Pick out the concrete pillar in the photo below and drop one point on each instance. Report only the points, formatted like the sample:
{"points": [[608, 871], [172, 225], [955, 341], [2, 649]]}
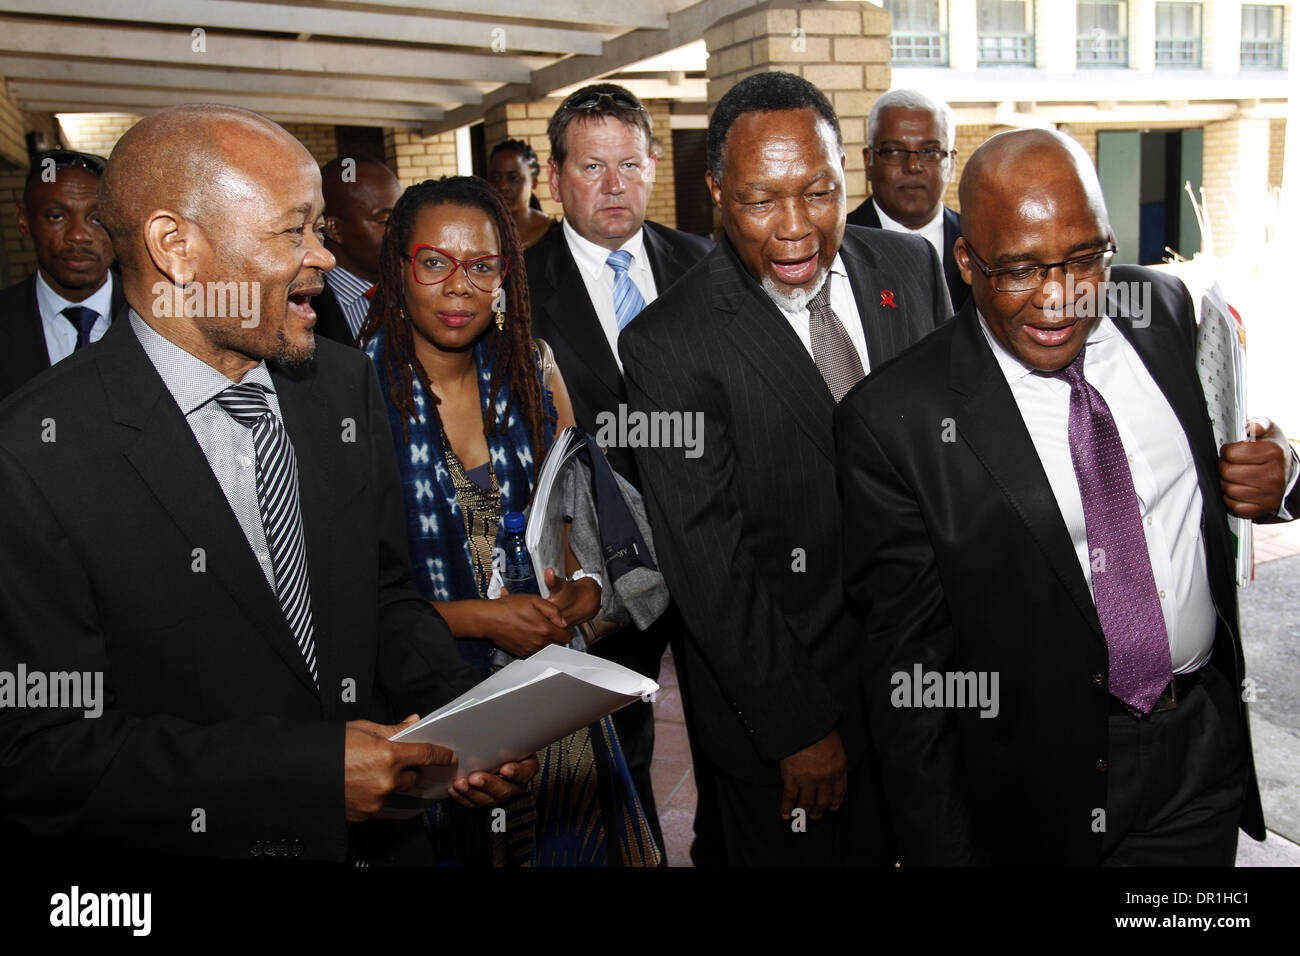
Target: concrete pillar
{"points": [[1056, 29], [841, 48], [1142, 35], [1221, 36], [963, 28]]}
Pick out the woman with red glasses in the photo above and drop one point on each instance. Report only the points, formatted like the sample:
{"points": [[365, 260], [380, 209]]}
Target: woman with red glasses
{"points": [[472, 414]]}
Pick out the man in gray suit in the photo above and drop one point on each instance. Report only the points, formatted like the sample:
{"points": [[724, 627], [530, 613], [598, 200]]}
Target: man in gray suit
{"points": [[761, 339]]}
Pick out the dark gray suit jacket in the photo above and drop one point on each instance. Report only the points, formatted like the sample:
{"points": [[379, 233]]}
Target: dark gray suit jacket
{"points": [[958, 290], [748, 534]]}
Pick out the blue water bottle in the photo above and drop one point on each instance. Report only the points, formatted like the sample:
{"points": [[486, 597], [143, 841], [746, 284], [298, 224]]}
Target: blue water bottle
{"points": [[517, 574]]}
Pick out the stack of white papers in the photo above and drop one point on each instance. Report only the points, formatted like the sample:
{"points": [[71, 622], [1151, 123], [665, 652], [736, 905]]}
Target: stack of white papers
{"points": [[521, 709], [1221, 365], [545, 532]]}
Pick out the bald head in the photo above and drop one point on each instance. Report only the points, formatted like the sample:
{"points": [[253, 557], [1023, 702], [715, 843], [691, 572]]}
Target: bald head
{"points": [[191, 160], [359, 197], [1015, 167]]}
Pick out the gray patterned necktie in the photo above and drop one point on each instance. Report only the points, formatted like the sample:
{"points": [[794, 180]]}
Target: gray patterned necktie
{"points": [[277, 499], [1123, 585], [833, 351]]}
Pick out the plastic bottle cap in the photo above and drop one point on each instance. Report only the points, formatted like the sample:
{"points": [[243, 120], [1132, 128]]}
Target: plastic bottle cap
{"points": [[515, 521]]}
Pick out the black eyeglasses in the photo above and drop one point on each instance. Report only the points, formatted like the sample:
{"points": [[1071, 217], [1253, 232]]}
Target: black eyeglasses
{"points": [[1029, 278], [622, 100], [67, 159], [896, 156]]}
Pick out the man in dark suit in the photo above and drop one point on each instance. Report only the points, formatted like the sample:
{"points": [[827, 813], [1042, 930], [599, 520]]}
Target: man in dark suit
{"points": [[759, 341], [359, 197], [245, 604], [910, 161], [72, 296], [601, 171], [1036, 526]]}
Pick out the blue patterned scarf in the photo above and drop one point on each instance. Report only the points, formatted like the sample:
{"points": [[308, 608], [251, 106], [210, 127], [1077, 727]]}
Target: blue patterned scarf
{"points": [[435, 528]]}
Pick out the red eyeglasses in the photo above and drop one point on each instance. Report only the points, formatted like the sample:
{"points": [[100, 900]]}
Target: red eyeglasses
{"points": [[431, 266]]}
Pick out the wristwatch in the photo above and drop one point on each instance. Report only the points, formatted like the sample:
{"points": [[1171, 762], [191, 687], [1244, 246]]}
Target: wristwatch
{"points": [[579, 574]]}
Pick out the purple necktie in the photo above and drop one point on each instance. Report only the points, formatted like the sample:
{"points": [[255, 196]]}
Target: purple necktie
{"points": [[1122, 583], [84, 319]]}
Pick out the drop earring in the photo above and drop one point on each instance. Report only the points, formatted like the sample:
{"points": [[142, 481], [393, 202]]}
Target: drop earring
{"points": [[501, 321]]}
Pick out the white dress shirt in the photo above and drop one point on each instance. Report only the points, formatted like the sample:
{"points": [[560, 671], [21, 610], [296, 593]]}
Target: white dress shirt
{"points": [[60, 334], [1164, 477], [845, 307], [931, 232], [598, 276], [226, 444]]}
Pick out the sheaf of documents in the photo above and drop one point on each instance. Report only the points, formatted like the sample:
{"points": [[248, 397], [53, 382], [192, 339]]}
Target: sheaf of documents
{"points": [[520, 709]]}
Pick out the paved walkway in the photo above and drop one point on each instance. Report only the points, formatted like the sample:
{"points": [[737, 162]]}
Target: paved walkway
{"points": [[674, 783]]}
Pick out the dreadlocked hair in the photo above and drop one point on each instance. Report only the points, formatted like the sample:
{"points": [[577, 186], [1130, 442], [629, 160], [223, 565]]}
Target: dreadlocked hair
{"points": [[511, 348]]}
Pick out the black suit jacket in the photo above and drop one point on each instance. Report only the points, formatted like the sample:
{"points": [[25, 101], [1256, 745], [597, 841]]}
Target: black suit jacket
{"points": [[23, 353], [120, 554], [330, 321], [960, 557], [748, 533], [563, 315], [958, 290]]}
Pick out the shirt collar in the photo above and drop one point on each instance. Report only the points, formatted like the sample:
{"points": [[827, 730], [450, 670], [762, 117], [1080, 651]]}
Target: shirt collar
{"points": [[1014, 369], [591, 257], [886, 222], [192, 382], [347, 286], [51, 303]]}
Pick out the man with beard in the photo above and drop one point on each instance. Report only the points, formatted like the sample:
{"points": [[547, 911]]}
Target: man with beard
{"points": [[762, 338], [245, 601], [71, 298]]}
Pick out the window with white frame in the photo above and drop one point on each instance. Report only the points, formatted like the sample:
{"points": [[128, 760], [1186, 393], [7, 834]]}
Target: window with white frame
{"points": [[1261, 36], [1102, 33], [1005, 32], [1178, 35], [918, 35]]}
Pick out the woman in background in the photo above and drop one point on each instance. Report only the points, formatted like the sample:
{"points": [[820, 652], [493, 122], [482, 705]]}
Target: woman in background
{"points": [[472, 417], [514, 172]]}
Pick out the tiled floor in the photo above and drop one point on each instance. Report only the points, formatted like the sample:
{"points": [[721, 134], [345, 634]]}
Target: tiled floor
{"points": [[674, 783]]}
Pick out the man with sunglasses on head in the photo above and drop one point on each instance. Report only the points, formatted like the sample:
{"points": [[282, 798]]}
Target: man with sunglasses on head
{"points": [[910, 161], [587, 281], [71, 298], [1036, 525]]}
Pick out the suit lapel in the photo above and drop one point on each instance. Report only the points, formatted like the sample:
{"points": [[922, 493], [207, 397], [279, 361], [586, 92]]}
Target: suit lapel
{"points": [[992, 427], [663, 260], [951, 233], [169, 460], [574, 317], [764, 337], [869, 292]]}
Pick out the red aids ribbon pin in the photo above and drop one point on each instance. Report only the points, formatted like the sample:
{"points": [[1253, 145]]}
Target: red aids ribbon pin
{"points": [[887, 298]]}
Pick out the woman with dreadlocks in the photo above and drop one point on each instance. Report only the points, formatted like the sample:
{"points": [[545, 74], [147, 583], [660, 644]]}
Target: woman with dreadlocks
{"points": [[472, 417], [513, 171]]}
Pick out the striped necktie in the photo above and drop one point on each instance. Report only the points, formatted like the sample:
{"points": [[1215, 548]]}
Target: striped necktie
{"points": [[627, 297], [1123, 585], [277, 500], [833, 350]]}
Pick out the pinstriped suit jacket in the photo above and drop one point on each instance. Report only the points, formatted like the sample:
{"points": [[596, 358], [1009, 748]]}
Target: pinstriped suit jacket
{"points": [[748, 534]]}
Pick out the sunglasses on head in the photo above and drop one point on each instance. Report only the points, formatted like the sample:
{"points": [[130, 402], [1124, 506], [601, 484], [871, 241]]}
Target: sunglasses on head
{"points": [[67, 159], [623, 100]]}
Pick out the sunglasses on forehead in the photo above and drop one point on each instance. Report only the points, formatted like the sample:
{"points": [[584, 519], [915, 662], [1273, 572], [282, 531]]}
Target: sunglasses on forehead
{"points": [[622, 100], [67, 159]]}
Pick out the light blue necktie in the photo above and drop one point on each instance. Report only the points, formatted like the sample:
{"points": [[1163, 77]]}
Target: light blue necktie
{"points": [[627, 297]]}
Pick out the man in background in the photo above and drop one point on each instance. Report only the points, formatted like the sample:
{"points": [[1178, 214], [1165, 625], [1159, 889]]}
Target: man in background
{"points": [[359, 198], [71, 298], [910, 161]]}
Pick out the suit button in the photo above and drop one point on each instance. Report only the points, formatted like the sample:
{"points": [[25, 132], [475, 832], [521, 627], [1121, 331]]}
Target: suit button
{"points": [[1101, 766], [1098, 679]]}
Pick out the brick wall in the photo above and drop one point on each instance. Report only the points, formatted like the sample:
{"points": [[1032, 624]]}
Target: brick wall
{"points": [[319, 139], [663, 199], [17, 257], [95, 132], [1235, 171], [416, 158], [841, 48], [1276, 150]]}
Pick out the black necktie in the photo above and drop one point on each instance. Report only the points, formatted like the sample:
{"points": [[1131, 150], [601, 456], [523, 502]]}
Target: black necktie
{"points": [[84, 319]]}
